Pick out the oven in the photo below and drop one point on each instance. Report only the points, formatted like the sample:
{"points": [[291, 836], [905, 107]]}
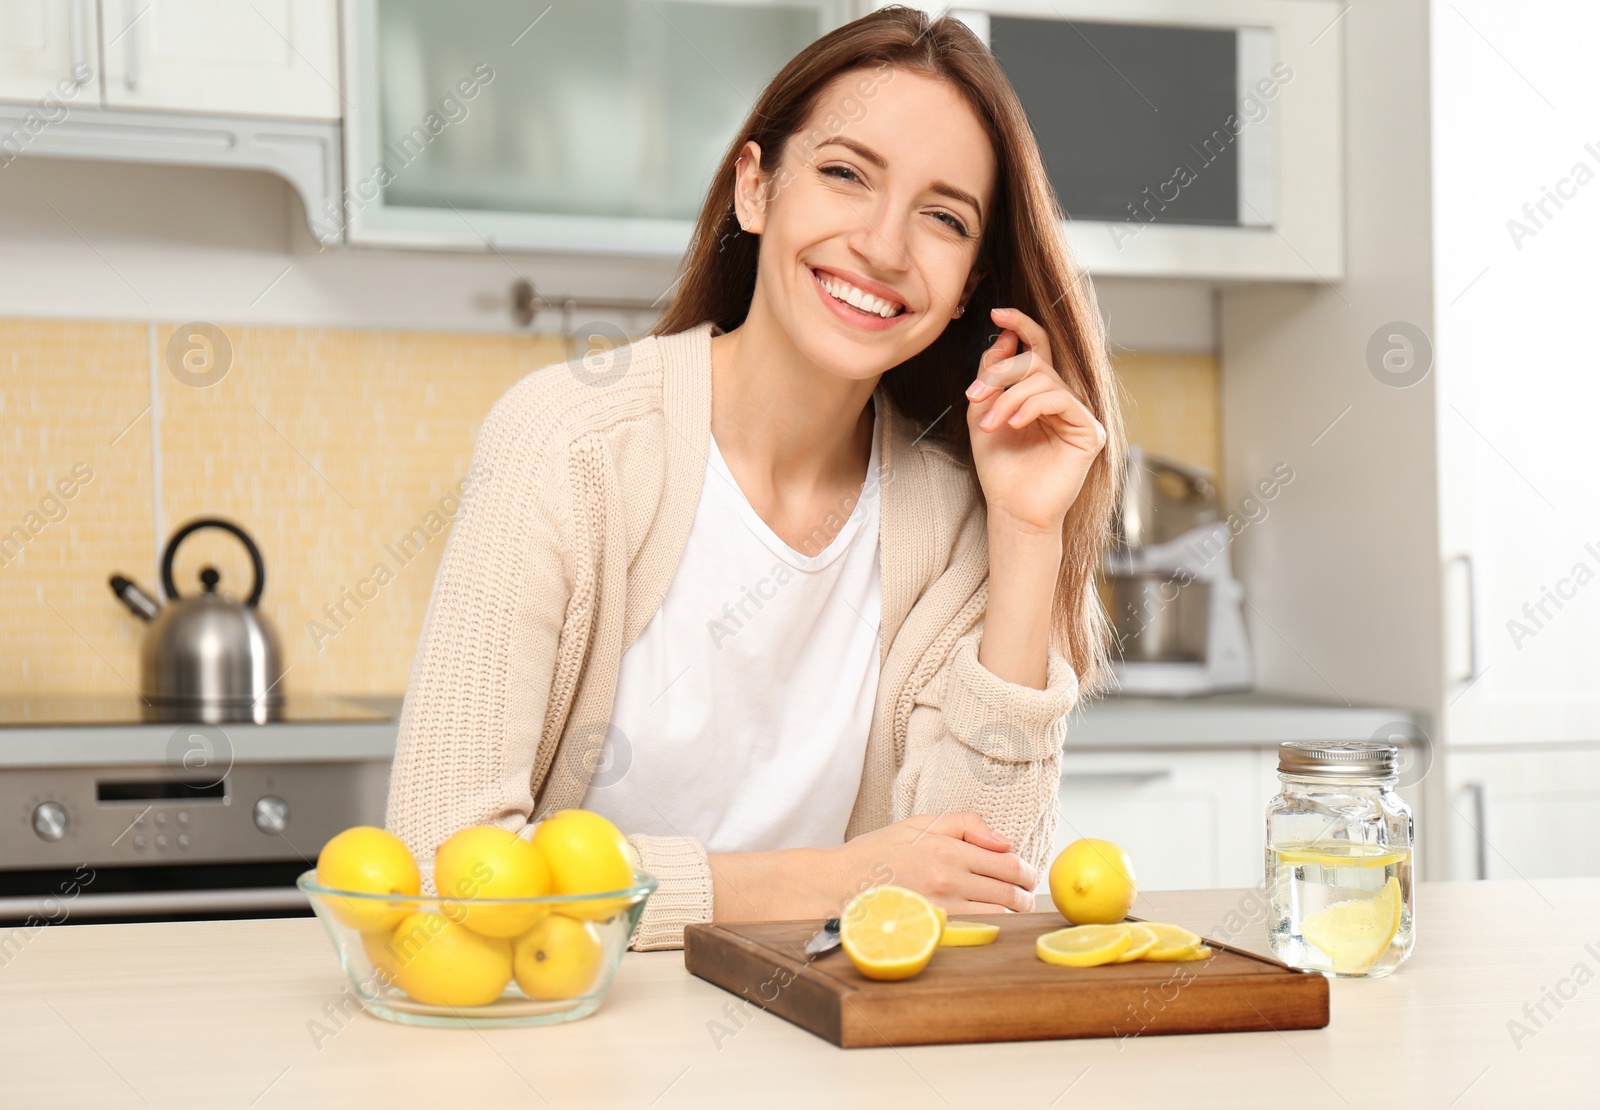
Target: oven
{"points": [[111, 810]]}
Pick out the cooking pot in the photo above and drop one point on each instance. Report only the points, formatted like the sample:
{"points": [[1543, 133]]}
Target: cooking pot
{"points": [[206, 650]]}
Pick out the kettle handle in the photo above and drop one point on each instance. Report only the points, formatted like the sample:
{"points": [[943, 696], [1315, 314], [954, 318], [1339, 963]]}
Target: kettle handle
{"points": [[227, 526]]}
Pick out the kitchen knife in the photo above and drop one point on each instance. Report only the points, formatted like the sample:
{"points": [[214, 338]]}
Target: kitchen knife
{"points": [[825, 940]]}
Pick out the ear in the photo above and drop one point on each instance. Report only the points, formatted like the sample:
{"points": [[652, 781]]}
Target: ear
{"points": [[973, 279], [748, 188]]}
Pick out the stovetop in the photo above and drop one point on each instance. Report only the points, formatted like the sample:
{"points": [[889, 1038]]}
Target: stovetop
{"points": [[69, 711]]}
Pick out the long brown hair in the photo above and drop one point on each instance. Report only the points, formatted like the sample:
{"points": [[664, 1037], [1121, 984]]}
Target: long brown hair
{"points": [[1023, 256]]}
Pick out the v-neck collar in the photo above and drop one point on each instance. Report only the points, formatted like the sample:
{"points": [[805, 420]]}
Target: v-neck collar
{"points": [[861, 508], [908, 556]]}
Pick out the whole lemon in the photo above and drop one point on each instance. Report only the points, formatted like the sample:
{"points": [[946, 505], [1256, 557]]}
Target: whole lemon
{"points": [[442, 963], [486, 861], [587, 855], [368, 860], [1092, 882], [558, 958]]}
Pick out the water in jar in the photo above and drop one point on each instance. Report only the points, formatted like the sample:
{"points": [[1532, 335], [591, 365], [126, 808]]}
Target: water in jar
{"points": [[1339, 906]]}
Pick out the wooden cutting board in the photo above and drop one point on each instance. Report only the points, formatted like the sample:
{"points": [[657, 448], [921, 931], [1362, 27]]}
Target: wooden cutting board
{"points": [[1001, 991]]}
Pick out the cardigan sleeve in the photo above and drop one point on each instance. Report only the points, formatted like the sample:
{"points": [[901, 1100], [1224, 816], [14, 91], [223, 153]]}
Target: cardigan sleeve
{"points": [[480, 682], [977, 742]]}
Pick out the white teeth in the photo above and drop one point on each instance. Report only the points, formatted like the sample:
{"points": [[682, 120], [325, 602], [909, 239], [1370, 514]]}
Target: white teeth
{"points": [[849, 294]]}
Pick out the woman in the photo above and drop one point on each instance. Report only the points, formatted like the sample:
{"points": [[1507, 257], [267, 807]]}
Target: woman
{"points": [[773, 588]]}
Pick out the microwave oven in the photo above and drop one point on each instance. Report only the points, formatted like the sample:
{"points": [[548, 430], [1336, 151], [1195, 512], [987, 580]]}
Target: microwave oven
{"points": [[1183, 139]]}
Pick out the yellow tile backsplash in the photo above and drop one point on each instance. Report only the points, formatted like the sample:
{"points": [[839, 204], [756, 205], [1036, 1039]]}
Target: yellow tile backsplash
{"points": [[1173, 405], [341, 451]]}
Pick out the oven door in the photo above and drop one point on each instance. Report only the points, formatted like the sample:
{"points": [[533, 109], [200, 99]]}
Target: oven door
{"points": [[142, 843], [180, 892]]}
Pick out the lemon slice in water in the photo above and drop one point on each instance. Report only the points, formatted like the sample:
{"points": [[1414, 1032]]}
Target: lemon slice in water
{"points": [[1355, 932]]}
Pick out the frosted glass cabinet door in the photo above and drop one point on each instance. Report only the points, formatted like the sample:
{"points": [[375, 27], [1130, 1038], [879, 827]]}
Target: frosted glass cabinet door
{"points": [[594, 126]]}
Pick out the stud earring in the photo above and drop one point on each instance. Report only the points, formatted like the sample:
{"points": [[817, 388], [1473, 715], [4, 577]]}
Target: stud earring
{"points": [[960, 308]]}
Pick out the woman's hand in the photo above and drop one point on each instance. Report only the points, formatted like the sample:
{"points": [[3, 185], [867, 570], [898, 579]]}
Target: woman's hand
{"points": [[1033, 439], [954, 859]]}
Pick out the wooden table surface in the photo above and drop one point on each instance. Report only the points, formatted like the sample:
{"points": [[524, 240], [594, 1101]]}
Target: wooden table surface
{"points": [[248, 1014]]}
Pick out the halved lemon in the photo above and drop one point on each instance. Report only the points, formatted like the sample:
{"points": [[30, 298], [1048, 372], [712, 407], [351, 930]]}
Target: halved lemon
{"points": [[1355, 932], [890, 932], [1174, 943], [968, 934], [1083, 945], [1143, 939]]}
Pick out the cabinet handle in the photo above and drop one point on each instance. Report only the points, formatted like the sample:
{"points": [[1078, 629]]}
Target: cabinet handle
{"points": [[131, 32], [1465, 559], [1131, 778], [78, 35], [1479, 817]]}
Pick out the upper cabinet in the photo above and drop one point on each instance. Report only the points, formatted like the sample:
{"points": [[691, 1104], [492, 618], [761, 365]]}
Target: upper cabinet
{"points": [[48, 48], [1181, 140], [589, 128], [272, 59], [275, 58]]}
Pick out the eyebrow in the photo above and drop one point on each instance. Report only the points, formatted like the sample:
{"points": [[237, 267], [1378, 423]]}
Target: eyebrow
{"points": [[941, 187]]}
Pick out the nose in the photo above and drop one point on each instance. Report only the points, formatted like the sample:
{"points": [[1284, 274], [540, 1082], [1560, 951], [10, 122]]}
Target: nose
{"points": [[880, 239]]}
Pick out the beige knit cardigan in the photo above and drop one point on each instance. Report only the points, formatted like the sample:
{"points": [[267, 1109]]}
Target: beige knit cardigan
{"points": [[584, 483]]}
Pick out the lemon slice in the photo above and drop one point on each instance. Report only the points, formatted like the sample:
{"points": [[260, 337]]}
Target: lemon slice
{"points": [[1142, 939], [1355, 932], [968, 934], [890, 932], [1083, 945], [1173, 943]]}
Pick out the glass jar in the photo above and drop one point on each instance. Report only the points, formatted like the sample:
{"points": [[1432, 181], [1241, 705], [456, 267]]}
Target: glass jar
{"points": [[1339, 847]]}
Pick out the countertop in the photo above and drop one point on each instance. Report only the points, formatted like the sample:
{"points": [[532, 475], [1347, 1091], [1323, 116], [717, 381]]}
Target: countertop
{"points": [[247, 1013], [1252, 719]]}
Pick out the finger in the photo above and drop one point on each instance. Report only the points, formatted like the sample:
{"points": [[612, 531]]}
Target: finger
{"points": [[1081, 426], [1012, 398], [1006, 867], [1006, 368], [1004, 896], [1005, 345], [1033, 333], [976, 831], [972, 828]]}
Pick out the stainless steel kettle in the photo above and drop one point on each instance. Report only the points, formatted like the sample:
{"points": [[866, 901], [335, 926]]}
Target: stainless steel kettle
{"points": [[208, 650]]}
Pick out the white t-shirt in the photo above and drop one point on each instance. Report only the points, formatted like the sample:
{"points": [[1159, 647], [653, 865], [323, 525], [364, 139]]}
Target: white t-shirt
{"points": [[743, 708]]}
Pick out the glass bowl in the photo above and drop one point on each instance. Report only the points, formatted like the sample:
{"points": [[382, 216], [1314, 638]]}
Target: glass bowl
{"points": [[419, 960]]}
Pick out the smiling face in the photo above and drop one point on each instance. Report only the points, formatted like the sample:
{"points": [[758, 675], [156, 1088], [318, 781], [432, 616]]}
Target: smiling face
{"points": [[883, 210]]}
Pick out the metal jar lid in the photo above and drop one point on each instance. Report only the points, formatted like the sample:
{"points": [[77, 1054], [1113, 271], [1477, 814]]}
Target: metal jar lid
{"points": [[1354, 759]]}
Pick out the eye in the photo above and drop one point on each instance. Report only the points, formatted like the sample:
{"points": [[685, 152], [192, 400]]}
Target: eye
{"points": [[846, 173]]}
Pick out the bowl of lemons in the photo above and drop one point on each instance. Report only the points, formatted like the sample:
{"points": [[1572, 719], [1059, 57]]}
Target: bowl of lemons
{"points": [[499, 930]]}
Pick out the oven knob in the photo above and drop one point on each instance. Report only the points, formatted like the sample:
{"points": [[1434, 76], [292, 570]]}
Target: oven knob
{"points": [[271, 814], [50, 821]]}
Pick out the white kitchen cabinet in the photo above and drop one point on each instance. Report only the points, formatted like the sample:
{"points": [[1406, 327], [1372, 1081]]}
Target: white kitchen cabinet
{"points": [[588, 128], [1188, 819], [272, 58], [1514, 239], [1525, 813], [48, 49]]}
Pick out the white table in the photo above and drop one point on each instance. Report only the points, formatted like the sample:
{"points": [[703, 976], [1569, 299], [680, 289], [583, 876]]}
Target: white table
{"points": [[246, 1013]]}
